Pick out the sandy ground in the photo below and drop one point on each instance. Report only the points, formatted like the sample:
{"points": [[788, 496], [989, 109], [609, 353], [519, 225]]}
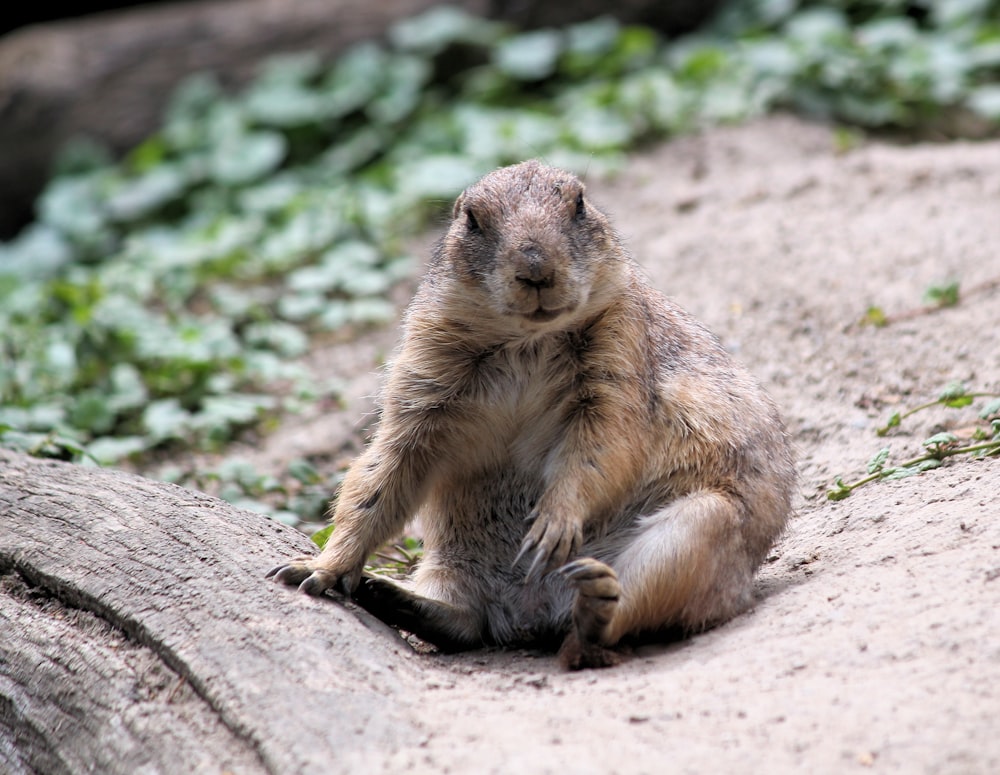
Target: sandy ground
{"points": [[874, 644]]}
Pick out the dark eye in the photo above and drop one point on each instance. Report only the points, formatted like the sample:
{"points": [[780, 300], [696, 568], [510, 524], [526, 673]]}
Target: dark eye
{"points": [[581, 211], [471, 222]]}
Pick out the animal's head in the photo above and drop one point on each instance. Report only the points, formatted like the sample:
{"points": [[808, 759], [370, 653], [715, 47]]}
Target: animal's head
{"points": [[529, 245]]}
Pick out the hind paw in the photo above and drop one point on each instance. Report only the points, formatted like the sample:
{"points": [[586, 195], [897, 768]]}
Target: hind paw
{"points": [[576, 654], [592, 578], [597, 593]]}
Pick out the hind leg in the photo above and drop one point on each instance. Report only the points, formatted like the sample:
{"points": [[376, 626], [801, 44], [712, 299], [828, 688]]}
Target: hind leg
{"points": [[687, 566], [446, 625]]}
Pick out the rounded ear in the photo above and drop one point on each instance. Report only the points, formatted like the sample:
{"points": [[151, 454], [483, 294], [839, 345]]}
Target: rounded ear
{"points": [[459, 205]]}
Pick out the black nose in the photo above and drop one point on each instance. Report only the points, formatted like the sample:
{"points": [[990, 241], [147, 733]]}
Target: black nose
{"points": [[531, 282]]}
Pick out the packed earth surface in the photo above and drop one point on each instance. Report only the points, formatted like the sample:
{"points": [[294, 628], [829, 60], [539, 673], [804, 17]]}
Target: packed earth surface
{"points": [[872, 645]]}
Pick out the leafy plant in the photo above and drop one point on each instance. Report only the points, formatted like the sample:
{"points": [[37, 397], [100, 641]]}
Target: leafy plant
{"points": [[937, 297], [164, 300], [298, 495], [396, 559], [984, 441]]}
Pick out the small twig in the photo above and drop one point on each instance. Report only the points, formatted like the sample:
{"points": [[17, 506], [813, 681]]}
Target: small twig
{"points": [[876, 317]]}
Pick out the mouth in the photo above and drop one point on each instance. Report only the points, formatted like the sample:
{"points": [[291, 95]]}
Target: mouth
{"points": [[541, 315]]}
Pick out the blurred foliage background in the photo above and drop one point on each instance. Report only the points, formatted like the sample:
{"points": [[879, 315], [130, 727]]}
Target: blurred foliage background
{"points": [[163, 301]]}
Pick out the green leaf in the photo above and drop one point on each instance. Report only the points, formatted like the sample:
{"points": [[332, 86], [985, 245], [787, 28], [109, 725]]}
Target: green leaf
{"points": [[284, 338], [247, 157], [591, 47], [875, 316], [137, 198], [362, 283], [334, 315], [294, 70], [92, 412], [593, 39], [443, 26], [878, 460], [109, 450], [320, 537], [943, 295], [284, 516], [530, 56], [284, 106], [355, 79], [194, 97], [371, 311], [839, 491], [700, 64], [128, 391], [437, 176], [403, 81], [239, 470], [893, 422], [304, 471], [887, 35], [939, 441], [148, 155], [953, 391], [166, 419], [301, 306], [37, 253], [411, 544], [221, 413], [891, 474], [817, 29], [354, 151], [985, 100], [598, 129], [73, 206], [991, 409]]}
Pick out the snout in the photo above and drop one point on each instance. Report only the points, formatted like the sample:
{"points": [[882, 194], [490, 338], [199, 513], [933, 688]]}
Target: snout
{"points": [[537, 285], [532, 270]]}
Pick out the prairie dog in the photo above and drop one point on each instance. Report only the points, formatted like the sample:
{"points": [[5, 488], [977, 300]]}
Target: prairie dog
{"points": [[587, 461]]}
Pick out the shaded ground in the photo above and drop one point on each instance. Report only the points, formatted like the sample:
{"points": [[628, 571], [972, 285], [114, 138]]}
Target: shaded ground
{"points": [[873, 645]]}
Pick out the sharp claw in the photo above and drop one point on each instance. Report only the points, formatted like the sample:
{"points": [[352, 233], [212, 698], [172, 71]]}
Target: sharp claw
{"points": [[537, 569], [283, 574], [526, 547], [311, 586], [574, 568], [273, 571]]}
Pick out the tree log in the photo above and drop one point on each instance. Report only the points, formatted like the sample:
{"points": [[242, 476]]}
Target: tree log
{"points": [[137, 633]]}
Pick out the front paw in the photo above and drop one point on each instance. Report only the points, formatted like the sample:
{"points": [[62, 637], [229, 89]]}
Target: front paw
{"points": [[553, 539], [313, 577]]}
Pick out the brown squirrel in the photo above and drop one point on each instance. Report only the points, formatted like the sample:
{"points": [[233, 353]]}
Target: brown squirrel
{"points": [[587, 461]]}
